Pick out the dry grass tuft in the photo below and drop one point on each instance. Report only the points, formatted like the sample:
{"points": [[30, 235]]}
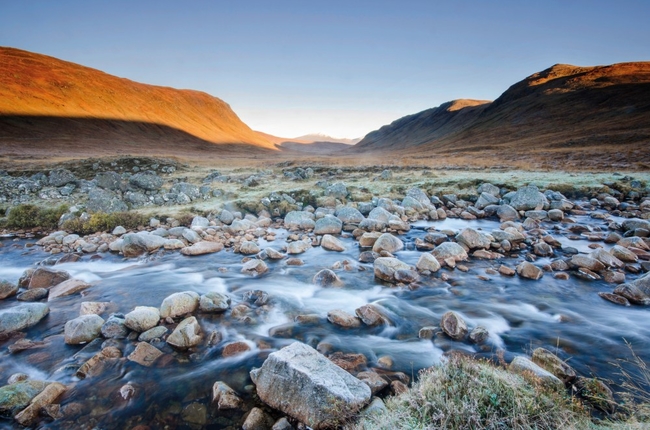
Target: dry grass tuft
{"points": [[468, 394]]}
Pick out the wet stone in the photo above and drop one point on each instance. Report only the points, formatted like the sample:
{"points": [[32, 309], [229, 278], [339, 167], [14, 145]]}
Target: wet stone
{"points": [[453, 325], [235, 348], [529, 271], [479, 334], [145, 354], [369, 315], [83, 329], [327, 278], [343, 319], [114, 328], [214, 302]]}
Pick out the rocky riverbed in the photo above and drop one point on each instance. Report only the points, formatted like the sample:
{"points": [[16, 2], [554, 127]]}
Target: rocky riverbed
{"points": [[164, 325]]}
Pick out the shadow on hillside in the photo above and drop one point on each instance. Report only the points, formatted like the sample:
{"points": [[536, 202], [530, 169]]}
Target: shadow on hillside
{"points": [[25, 134]]}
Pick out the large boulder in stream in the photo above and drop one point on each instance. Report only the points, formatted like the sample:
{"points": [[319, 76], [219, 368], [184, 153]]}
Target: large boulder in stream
{"points": [[302, 383], [16, 397], [22, 316], [136, 244], [83, 329], [386, 267], [179, 304], [388, 242], [529, 198]]}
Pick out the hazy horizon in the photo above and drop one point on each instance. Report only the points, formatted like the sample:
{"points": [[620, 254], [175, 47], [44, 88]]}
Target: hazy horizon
{"points": [[292, 68]]}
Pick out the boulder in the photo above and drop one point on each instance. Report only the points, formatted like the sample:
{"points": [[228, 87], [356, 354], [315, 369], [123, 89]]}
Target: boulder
{"points": [[148, 181], [329, 224], [449, 252], [298, 219], [61, 177], [624, 254], [453, 325], [349, 215], [22, 316], [49, 395], [16, 397], [302, 383], [108, 180], [368, 239], [254, 267], [257, 419], [136, 244], [225, 397], [332, 243], [226, 217], [587, 263], [385, 268], [104, 201], [528, 198], [145, 354], [507, 213], [338, 191], [474, 239], [479, 334], [214, 302], [114, 328], [179, 304], [199, 221], [83, 329], [298, 247], [343, 319], [7, 289], [607, 259], [67, 288], [201, 248], [522, 364], [248, 247], [153, 333], [485, 200], [427, 262], [552, 363], [142, 318], [388, 242], [47, 278], [529, 271], [327, 278], [369, 315], [186, 335]]}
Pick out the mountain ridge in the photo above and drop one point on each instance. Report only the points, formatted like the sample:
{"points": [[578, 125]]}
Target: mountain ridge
{"points": [[39, 86], [563, 108]]}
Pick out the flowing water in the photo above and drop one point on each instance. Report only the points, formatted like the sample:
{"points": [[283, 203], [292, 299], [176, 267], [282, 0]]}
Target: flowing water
{"points": [[564, 316]]}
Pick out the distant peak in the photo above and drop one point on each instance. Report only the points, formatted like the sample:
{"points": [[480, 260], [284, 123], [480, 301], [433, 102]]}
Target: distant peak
{"points": [[322, 137], [459, 104]]}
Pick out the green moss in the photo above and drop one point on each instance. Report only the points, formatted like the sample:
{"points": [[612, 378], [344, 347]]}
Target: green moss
{"points": [[105, 222], [30, 216]]}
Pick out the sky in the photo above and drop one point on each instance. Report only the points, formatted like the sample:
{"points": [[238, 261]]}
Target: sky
{"points": [[342, 68]]}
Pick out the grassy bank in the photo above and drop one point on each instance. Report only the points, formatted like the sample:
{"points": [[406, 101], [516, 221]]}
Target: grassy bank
{"points": [[463, 393]]}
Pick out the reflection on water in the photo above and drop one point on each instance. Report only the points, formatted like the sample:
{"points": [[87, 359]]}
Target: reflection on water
{"points": [[565, 316]]}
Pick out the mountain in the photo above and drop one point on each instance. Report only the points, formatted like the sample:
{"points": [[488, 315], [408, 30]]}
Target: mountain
{"points": [[306, 145], [565, 110], [53, 106], [320, 137]]}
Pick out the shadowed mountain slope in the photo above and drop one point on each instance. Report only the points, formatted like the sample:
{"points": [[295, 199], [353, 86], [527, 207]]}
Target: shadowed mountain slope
{"points": [[46, 89], [562, 109]]}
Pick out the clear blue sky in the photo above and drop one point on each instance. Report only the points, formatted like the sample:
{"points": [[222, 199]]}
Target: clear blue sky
{"points": [[342, 68]]}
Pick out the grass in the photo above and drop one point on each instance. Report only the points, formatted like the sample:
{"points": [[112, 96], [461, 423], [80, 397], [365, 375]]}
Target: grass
{"points": [[469, 394], [464, 393], [105, 222], [636, 378], [31, 216]]}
